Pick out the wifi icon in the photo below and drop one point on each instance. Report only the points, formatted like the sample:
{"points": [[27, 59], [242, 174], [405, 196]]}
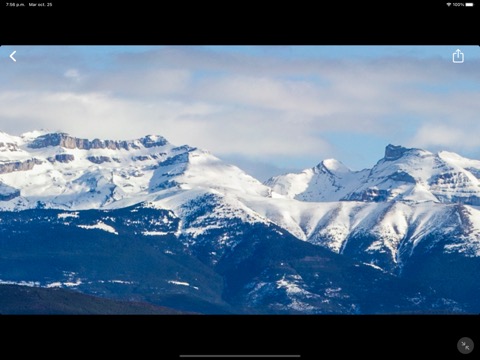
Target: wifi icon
{"points": [[448, 4]]}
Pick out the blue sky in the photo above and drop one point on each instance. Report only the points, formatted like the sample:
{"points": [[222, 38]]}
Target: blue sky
{"points": [[267, 109]]}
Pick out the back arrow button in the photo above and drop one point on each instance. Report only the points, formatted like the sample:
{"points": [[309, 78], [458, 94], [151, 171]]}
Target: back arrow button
{"points": [[11, 56]]}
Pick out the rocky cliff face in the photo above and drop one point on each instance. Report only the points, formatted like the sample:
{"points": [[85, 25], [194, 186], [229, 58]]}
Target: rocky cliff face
{"points": [[394, 152], [62, 158], [9, 167], [8, 193], [69, 142], [8, 146]]}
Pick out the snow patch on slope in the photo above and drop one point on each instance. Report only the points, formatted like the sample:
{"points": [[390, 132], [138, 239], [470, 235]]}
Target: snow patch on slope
{"points": [[100, 226], [181, 283]]}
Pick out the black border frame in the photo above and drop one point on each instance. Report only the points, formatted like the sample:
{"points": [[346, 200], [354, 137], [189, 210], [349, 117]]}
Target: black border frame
{"points": [[311, 336]]}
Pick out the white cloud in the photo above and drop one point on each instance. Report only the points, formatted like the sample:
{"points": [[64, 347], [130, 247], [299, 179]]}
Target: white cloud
{"points": [[447, 136], [92, 114], [266, 93], [258, 106], [434, 134], [141, 82]]}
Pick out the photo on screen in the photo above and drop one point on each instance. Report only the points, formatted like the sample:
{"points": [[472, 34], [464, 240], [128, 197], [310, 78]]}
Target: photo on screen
{"points": [[253, 180]]}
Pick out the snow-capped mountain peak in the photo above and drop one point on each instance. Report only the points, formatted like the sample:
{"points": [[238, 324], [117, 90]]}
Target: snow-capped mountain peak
{"points": [[6, 138], [403, 174], [57, 170], [395, 152], [333, 166], [8, 143]]}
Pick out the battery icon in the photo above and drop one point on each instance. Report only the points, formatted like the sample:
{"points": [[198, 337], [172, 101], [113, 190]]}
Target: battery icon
{"points": [[468, 4]]}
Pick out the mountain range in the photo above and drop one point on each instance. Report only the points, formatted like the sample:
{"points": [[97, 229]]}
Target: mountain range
{"points": [[147, 221]]}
